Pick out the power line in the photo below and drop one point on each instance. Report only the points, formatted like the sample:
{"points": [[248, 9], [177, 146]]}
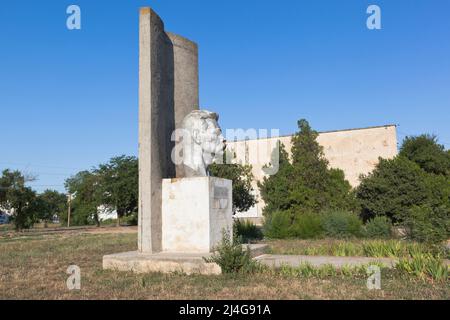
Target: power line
{"points": [[40, 165], [46, 185], [51, 174]]}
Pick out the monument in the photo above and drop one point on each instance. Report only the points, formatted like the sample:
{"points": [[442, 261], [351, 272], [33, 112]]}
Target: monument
{"points": [[182, 210], [168, 91]]}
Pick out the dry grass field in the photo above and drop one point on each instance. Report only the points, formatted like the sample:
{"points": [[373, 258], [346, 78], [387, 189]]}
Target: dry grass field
{"points": [[35, 267]]}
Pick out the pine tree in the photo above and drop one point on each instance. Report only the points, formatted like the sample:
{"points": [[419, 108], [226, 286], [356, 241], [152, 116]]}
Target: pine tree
{"points": [[275, 189], [306, 183]]}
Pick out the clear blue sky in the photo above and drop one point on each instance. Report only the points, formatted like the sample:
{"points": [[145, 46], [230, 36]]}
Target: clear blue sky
{"points": [[68, 99]]}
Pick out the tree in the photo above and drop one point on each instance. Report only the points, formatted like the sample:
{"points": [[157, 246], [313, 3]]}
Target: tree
{"points": [[306, 184], [18, 198], [428, 224], [275, 189], [427, 153], [119, 185], [392, 189], [52, 203], [113, 184], [412, 186], [87, 197], [241, 176], [317, 187]]}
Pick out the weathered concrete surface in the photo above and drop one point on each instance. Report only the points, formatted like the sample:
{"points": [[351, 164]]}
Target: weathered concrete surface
{"points": [[277, 261], [168, 90], [195, 211], [185, 53], [355, 151], [165, 262], [155, 111], [160, 262]]}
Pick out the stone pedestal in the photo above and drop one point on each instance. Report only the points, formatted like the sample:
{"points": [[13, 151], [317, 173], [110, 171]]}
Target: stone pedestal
{"points": [[195, 211], [168, 262]]}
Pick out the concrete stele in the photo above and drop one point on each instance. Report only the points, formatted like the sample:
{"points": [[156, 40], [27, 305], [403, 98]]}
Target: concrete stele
{"points": [[168, 90]]}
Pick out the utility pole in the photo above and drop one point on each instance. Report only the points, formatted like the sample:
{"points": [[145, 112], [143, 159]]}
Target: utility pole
{"points": [[69, 199]]}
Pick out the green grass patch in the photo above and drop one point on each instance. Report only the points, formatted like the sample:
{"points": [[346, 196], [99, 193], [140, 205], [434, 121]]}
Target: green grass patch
{"points": [[356, 247]]}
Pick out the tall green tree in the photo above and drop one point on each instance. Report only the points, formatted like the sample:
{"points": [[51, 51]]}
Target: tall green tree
{"points": [[415, 181], [316, 186], [52, 203], [113, 185], [427, 153], [242, 177], [87, 197], [305, 183], [119, 185], [17, 197], [276, 189]]}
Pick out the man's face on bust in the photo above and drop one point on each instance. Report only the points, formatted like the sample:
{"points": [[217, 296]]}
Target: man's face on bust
{"points": [[212, 141], [200, 144]]}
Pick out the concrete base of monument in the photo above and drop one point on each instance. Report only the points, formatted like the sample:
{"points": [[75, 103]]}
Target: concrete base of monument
{"points": [[169, 262]]}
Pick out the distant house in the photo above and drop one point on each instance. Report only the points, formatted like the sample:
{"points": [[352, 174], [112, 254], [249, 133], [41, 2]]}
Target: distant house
{"points": [[55, 219], [105, 213]]}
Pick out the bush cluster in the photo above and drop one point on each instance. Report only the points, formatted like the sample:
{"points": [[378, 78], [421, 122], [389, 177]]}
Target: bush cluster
{"points": [[428, 224], [378, 227], [338, 224], [247, 231], [341, 224]]}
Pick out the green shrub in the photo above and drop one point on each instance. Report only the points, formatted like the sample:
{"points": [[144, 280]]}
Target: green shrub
{"points": [[366, 248], [424, 266], [131, 220], [231, 257], [341, 224], [306, 226], [278, 225], [247, 230], [427, 224], [381, 249], [392, 188], [378, 227], [285, 224]]}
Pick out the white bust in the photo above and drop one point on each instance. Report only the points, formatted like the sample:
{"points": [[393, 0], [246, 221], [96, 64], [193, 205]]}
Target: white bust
{"points": [[200, 145]]}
